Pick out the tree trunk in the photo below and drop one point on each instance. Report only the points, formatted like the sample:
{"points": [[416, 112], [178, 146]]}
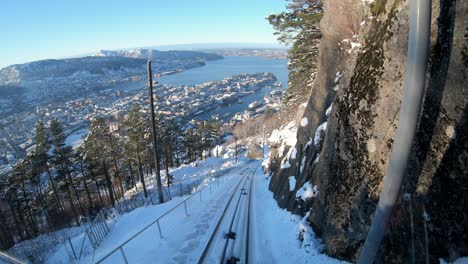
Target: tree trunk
{"points": [[6, 236], [57, 200], [44, 205], [132, 177], [97, 187], [28, 208], [142, 177], [74, 190], [17, 223], [109, 183], [90, 201]]}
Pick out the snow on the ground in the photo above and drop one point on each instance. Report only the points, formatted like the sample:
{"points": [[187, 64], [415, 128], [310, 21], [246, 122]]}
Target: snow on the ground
{"points": [[183, 236], [463, 260], [34, 248], [76, 139], [307, 191], [146, 248], [292, 183], [279, 236], [188, 173]]}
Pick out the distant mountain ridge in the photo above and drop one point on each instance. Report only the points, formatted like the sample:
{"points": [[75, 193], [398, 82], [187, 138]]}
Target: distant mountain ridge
{"points": [[55, 79], [152, 54], [98, 64], [44, 69]]}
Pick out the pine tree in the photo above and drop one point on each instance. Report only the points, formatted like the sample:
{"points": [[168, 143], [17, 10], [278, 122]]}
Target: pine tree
{"points": [[134, 129], [116, 155], [299, 26], [11, 197], [81, 160], [21, 173], [39, 159], [62, 156], [97, 147], [190, 145]]}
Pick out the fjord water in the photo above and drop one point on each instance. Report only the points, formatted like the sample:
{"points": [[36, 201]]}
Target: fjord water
{"points": [[220, 69]]}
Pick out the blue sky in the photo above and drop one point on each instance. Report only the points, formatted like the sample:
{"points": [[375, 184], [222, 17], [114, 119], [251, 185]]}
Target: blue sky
{"points": [[39, 29]]}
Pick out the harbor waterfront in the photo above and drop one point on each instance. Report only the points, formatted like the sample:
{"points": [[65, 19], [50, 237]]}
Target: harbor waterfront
{"points": [[223, 87]]}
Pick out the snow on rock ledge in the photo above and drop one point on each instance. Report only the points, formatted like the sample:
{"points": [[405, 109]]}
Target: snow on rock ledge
{"points": [[318, 134], [304, 122], [285, 136], [292, 183], [307, 191]]}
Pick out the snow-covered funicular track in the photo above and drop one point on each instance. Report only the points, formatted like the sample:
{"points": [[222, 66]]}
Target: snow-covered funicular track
{"points": [[229, 242]]}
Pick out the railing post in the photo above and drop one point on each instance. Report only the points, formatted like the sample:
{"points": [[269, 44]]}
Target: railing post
{"points": [[185, 207], [105, 224], [96, 235], [101, 231], [123, 255], [73, 250], [159, 228], [92, 238]]}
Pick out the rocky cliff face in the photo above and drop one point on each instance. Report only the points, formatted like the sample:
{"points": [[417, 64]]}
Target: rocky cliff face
{"points": [[359, 80]]}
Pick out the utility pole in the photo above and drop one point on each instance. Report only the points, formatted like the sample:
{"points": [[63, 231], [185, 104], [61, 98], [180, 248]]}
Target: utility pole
{"points": [[155, 136]]}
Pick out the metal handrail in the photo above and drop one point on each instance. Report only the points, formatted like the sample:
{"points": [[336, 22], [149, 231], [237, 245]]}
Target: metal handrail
{"points": [[216, 174], [120, 247], [9, 259]]}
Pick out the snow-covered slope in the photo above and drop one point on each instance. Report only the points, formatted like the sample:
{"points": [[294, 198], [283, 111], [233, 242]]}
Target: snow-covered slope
{"points": [[277, 236]]}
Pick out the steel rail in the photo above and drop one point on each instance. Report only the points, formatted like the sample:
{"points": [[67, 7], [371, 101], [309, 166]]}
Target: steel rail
{"points": [[247, 246], [244, 254], [232, 223], [218, 224]]}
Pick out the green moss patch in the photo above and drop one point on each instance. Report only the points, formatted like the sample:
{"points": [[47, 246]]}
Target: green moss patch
{"points": [[378, 7]]}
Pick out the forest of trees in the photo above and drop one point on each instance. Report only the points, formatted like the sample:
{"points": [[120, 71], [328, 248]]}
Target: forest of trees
{"points": [[56, 186]]}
